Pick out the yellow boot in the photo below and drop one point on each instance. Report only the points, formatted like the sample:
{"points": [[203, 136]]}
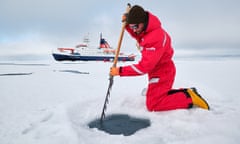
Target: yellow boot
{"points": [[197, 99]]}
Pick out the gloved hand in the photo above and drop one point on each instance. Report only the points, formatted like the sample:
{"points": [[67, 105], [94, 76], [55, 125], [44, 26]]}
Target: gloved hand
{"points": [[124, 17], [114, 71]]}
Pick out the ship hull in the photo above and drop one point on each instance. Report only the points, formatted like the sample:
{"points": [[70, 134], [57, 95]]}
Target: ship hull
{"points": [[77, 57]]}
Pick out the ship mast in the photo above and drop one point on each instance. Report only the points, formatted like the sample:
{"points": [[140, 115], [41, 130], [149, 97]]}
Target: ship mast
{"points": [[86, 39]]}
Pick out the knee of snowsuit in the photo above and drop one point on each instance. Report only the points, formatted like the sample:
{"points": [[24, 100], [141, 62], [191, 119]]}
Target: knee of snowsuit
{"points": [[159, 96]]}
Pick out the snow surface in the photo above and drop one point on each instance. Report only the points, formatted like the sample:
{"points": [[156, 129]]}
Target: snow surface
{"points": [[54, 102]]}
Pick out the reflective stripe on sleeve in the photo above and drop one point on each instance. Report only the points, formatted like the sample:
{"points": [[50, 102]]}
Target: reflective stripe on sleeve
{"points": [[136, 70]]}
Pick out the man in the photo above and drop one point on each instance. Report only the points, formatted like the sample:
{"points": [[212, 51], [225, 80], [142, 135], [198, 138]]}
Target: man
{"points": [[156, 61]]}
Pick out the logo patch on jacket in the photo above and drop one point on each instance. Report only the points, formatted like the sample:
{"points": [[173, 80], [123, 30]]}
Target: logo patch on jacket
{"points": [[151, 49]]}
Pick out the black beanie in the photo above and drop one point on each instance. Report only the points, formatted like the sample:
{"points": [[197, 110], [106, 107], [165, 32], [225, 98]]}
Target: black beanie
{"points": [[136, 15]]}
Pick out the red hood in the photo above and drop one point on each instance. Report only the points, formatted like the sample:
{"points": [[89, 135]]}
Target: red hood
{"points": [[153, 23]]}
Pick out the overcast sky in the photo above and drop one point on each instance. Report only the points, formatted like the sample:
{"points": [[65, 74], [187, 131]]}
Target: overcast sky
{"points": [[41, 25]]}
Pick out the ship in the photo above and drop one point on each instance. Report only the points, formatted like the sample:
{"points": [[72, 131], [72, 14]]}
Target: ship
{"points": [[83, 52]]}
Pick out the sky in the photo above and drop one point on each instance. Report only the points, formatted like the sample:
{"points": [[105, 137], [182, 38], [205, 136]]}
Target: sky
{"points": [[30, 26]]}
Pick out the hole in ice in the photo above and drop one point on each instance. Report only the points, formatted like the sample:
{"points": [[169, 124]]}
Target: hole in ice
{"points": [[120, 124]]}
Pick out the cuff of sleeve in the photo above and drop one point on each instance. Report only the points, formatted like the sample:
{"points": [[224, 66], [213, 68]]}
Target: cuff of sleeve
{"points": [[120, 70]]}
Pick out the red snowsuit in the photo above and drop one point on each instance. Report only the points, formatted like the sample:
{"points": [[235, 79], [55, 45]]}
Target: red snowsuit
{"points": [[157, 62]]}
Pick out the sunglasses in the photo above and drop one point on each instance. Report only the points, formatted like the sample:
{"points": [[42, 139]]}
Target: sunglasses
{"points": [[134, 27]]}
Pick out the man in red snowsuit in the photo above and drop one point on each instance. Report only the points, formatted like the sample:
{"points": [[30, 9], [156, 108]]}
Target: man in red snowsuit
{"points": [[156, 61]]}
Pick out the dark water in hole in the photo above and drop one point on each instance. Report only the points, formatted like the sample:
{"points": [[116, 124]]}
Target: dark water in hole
{"points": [[120, 124]]}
